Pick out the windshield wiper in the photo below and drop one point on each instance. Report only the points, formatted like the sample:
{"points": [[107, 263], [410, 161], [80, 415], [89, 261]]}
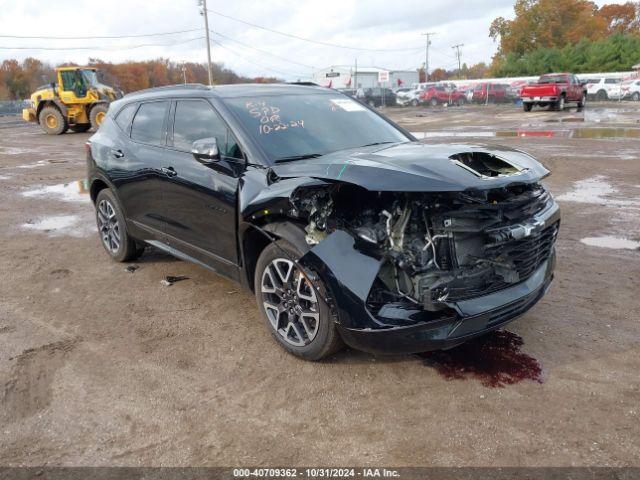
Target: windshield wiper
{"points": [[298, 157]]}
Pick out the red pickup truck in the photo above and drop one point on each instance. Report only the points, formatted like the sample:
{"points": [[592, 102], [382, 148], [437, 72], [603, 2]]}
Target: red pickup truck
{"points": [[554, 90]]}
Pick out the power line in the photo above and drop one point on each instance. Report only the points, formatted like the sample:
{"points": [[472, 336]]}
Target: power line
{"points": [[102, 37], [326, 44], [241, 57], [262, 51], [112, 48]]}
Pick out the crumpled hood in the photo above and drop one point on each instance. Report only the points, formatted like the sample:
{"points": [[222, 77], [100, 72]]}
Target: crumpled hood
{"points": [[412, 167]]}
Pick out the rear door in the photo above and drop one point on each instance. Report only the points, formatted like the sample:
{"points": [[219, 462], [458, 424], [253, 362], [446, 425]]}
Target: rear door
{"points": [[200, 200], [138, 162]]}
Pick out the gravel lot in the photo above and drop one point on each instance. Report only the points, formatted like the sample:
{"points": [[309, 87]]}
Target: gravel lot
{"points": [[99, 366]]}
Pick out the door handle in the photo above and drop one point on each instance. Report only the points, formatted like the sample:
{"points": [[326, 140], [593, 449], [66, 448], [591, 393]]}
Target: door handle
{"points": [[169, 171], [117, 153]]}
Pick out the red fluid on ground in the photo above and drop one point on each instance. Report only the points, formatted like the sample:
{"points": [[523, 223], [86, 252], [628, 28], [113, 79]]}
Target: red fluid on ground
{"points": [[495, 359]]}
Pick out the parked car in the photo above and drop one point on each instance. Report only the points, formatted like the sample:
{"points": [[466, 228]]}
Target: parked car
{"points": [[554, 90], [631, 90], [515, 89], [409, 97], [489, 93], [440, 94], [377, 96], [604, 89], [344, 226]]}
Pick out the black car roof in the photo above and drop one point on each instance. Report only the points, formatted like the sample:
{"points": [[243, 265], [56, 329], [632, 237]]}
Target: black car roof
{"points": [[225, 91]]}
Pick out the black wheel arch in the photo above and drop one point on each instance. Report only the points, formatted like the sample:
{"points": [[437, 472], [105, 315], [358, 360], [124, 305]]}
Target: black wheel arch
{"points": [[255, 238]]}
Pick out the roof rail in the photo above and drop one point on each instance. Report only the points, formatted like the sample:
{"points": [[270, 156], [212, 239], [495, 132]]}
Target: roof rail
{"points": [[179, 86]]}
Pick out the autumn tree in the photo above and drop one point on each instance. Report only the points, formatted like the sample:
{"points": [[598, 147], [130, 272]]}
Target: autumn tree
{"points": [[620, 18], [547, 23]]}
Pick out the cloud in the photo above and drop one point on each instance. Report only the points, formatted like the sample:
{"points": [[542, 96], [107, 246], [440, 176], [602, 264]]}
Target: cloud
{"points": [[374, 24]]}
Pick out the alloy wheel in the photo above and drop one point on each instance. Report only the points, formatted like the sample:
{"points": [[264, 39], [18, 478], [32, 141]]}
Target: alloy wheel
{"points": [[108, 226], [290, 302]]}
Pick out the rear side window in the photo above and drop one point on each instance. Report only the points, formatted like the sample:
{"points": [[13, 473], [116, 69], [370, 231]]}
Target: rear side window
{"points": [[148, 123], [612, 80], [124, 117]]}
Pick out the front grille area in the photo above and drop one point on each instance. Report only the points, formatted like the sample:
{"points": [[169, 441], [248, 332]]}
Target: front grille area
{"points": [[526, 255]]}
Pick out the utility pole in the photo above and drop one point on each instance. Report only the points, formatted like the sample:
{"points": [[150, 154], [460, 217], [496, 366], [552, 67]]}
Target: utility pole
{"points": [[457, 47], [184, 73], [426, 57], [205, 13], [356, 77]]}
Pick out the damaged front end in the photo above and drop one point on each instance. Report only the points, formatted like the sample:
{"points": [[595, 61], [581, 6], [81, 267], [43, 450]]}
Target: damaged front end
{"points": [[420, 271]]}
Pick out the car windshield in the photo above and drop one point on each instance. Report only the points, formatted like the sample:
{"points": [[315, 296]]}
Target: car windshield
{"points": [[552, 79], [290, 127]]}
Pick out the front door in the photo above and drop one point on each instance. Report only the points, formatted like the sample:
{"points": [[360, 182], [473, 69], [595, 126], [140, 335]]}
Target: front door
{"points": [[200, 200]]}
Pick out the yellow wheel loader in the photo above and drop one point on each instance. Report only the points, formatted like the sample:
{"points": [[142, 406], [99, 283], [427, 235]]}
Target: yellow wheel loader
{"points": [[77, 101]]}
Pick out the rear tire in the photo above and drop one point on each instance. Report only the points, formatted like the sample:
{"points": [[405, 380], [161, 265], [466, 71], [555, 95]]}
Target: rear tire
{"points": [[98, 112], [635, 97], [52, 121], [113, 230], [433, 102], [602, 95], [559, 106], [295, 313], [80, 128]]}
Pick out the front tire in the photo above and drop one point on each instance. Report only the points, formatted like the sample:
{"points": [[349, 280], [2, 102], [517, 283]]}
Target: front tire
{"points": [[559, 106], [113, 230], [293, 304], [527, 107], [583, 101], [635, 97], [52, 121], [433, 102]]}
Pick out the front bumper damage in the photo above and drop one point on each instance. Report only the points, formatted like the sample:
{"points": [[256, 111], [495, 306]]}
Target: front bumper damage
{"points": [[402, 327], [421, 247]]}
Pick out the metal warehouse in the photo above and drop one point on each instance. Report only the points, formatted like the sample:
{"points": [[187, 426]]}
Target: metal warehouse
{"points": [[351, 76]]}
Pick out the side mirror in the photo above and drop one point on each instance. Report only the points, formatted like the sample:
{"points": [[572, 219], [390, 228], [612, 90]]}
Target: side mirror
{"points": [[206, 150]]}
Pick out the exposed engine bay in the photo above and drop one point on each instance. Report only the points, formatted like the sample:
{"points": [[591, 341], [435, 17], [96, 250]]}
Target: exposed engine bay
{"points": [[435, 247]]}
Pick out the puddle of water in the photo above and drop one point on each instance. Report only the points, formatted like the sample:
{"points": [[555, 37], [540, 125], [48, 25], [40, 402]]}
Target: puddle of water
{"points": [[39, 163], [77, 191], [14, 150], [596, 190], [495, 359], [55, 225], [4, 177], [611, 242]]}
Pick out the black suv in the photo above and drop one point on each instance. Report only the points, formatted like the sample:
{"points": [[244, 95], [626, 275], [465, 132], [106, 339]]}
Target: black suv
{"points": [[345, 227]]}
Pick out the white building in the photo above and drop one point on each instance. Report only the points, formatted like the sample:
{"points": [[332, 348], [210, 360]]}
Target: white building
{"points": [[347, 76]]}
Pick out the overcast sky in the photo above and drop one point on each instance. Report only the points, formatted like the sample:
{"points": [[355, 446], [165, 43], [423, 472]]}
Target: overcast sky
{"points": [[370, 24]]}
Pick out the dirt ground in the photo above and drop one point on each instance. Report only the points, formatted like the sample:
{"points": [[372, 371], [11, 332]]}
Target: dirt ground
{"points": [[99, 366]]}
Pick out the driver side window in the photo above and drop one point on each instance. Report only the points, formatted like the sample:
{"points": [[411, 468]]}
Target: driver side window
{"points": [[195, 120]]}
